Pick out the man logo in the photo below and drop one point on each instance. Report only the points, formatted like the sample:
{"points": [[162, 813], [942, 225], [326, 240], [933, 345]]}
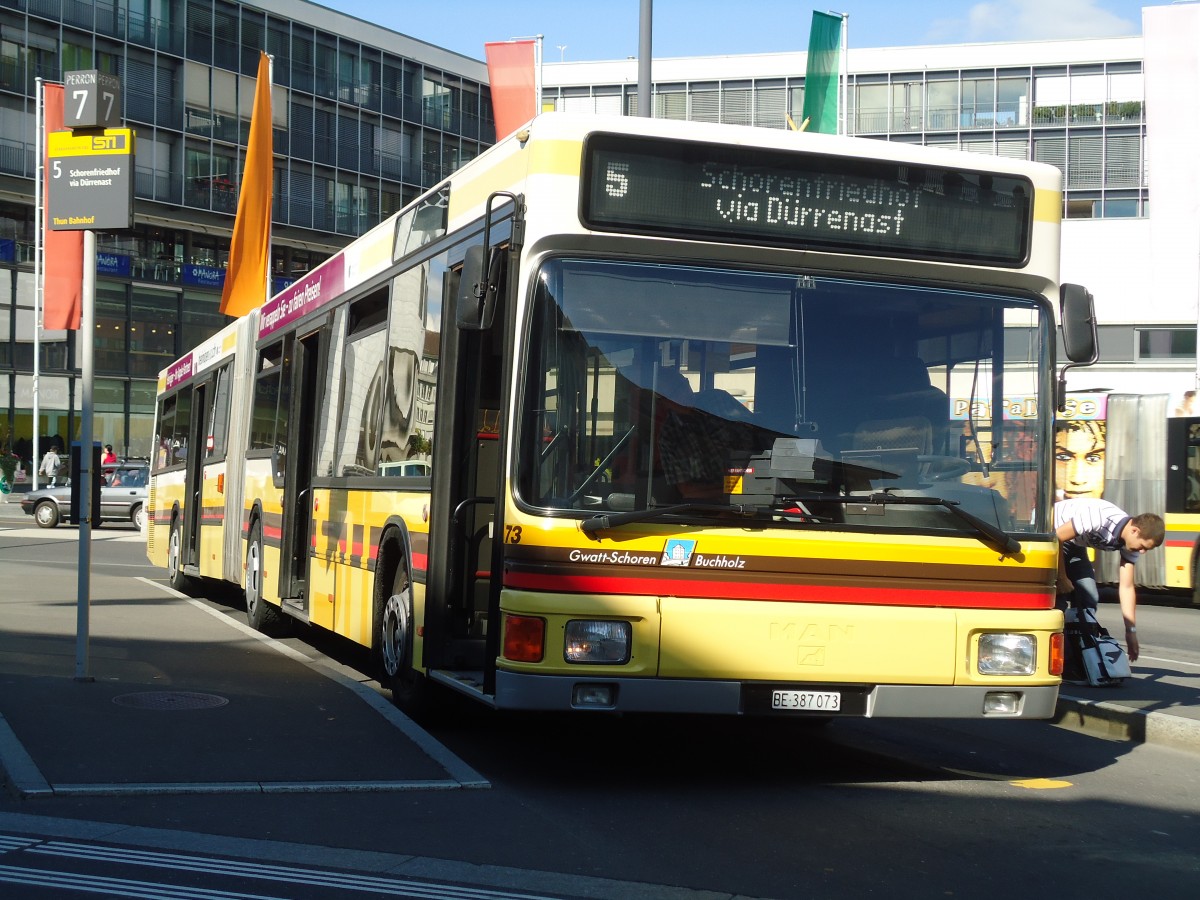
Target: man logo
{"points": [[810, 656]]}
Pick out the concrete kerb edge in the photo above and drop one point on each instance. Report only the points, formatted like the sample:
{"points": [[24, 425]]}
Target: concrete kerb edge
{"points": [[1140, 726], [22, 778]]}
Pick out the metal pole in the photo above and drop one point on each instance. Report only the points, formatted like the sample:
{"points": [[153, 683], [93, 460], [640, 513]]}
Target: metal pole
{"points": [[86, 340], [845, 67], [537, 76], [38, 286], [644, 57]]}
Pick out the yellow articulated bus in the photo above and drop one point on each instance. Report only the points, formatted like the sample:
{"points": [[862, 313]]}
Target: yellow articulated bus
{"points": [[1182, 511], [651, 416]]}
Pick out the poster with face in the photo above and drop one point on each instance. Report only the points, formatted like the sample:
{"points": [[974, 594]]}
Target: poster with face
{"points": [[1079, 459]]}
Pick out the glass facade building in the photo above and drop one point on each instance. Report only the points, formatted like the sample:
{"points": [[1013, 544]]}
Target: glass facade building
{"points": [[1085, 117], [364, 120]]}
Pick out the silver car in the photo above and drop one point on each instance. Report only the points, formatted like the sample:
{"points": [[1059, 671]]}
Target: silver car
{"points": [[122, 497]]}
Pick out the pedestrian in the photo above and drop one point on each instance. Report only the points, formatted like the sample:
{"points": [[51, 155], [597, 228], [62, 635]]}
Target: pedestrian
{"points": [[109, 458], [50, 465], [1090, 523]]}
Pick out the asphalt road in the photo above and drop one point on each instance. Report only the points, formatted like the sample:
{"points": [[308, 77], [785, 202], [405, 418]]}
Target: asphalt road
{"points": [[574, 807]]}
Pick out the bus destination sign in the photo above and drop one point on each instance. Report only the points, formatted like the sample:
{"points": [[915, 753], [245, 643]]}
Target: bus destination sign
{"points": [[806, 200]]}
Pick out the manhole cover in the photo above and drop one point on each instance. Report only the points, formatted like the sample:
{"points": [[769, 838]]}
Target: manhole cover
{"points": [[170, 700]]}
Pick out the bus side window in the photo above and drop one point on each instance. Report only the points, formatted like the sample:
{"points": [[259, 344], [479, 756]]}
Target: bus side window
{"points": [[1193, 478]]}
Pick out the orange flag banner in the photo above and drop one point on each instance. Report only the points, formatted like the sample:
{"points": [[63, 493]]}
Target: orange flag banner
{"points": [[62, 270], [250, 249], [512, 73]]}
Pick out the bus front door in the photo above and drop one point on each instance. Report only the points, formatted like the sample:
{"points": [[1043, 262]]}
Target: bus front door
{"points": [[463, 587], [193, 506], [296, 539]]}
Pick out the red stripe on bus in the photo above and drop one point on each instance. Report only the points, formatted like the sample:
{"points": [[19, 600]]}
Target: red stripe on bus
{"points": [[721, 590]]}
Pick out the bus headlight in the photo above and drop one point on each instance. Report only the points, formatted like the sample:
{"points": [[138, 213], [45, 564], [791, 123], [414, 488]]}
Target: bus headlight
{"points": [[1007, 654], [597, 641]]}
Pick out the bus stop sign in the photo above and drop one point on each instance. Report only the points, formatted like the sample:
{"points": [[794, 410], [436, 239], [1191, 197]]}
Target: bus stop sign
{"points": [[91, 180]]}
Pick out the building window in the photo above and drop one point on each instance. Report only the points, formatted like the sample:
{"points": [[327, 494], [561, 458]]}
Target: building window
{"points": [[1166, 343], [942, 106], [906, 106], [1012, 102], [978, 103], [1121, 161], [871, 110], [1120, 208], [1083, 161], [111, 342]]}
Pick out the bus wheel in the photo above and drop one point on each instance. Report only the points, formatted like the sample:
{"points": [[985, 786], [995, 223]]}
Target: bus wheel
{"points": [[259, 613], [1196, 577], [178, 580], [394, 645]]}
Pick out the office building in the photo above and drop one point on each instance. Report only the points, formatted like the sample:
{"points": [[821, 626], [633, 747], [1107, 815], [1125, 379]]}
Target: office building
{"points": [[364, 120]]}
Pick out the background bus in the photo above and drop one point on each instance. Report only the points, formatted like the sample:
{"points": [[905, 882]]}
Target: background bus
{"points": [[685, 394]]}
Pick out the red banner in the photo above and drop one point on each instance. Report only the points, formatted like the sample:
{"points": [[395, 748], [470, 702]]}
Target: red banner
{"points": [[512, 72], [62, 268], [250, 249]]}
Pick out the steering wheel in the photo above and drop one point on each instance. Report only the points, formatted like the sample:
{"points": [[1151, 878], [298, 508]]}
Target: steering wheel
{"points": [[944, 468]]}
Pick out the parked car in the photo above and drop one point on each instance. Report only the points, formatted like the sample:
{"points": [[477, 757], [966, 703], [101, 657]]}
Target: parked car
{"points": [[122, 497], [409, 469]]}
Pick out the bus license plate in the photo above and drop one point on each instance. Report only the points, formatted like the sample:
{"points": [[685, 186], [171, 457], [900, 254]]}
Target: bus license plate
{"points": [[807, 701]]}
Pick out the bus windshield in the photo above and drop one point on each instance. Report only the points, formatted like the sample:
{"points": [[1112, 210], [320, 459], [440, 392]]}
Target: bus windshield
{"points": [[802, 401]]}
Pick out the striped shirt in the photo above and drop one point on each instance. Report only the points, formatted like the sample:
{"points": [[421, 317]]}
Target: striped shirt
{"points": [[1097, 523]]}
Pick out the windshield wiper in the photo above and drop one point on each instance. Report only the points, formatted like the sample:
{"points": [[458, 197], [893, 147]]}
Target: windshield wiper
{"points": [[1007, 544], [605, 522]]}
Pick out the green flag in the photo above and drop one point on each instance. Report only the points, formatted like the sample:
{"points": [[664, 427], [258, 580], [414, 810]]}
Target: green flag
{"points": [[821, 79]]}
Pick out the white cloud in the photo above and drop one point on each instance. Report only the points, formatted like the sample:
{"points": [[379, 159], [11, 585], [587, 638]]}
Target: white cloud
{"points": [[1026, 20]]}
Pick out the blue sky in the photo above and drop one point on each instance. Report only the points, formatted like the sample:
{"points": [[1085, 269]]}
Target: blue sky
{"points": [[608, 29]]}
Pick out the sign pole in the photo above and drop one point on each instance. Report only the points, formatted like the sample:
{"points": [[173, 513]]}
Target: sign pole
{"points": [[91, 187], [87, 341]]}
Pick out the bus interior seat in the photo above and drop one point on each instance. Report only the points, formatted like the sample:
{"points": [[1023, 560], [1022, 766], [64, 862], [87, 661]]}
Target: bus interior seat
{"points": [[903, 391]]}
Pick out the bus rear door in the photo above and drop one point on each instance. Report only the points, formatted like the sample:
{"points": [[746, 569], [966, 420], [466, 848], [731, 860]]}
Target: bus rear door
{"points": [[296, 536]]}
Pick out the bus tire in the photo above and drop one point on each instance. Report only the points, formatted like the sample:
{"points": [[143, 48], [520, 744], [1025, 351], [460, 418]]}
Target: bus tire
{"points": [[260, 614], [393, 644], [1196, 576], [175, 575]]}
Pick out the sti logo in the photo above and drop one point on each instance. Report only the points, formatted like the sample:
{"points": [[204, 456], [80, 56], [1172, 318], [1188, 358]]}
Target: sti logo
{"points": [[108, 142], [678, 552]]}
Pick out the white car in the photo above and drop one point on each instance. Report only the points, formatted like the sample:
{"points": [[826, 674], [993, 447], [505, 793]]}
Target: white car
{"points": [[409, 469]]}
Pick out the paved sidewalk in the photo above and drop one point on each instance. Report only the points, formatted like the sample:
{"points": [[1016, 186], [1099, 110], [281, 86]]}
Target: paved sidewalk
{"points": [[179, 698]]}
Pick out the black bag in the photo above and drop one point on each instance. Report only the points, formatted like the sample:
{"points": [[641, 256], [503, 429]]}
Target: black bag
{"points": [[1091, 655]]}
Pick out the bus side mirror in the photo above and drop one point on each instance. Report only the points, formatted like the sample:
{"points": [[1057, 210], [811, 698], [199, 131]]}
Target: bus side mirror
{"points": [[1078, 315], [478, 285]]}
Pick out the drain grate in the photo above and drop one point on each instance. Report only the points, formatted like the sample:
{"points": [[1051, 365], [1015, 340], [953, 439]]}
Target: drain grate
{"points": [[170, 700]]}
